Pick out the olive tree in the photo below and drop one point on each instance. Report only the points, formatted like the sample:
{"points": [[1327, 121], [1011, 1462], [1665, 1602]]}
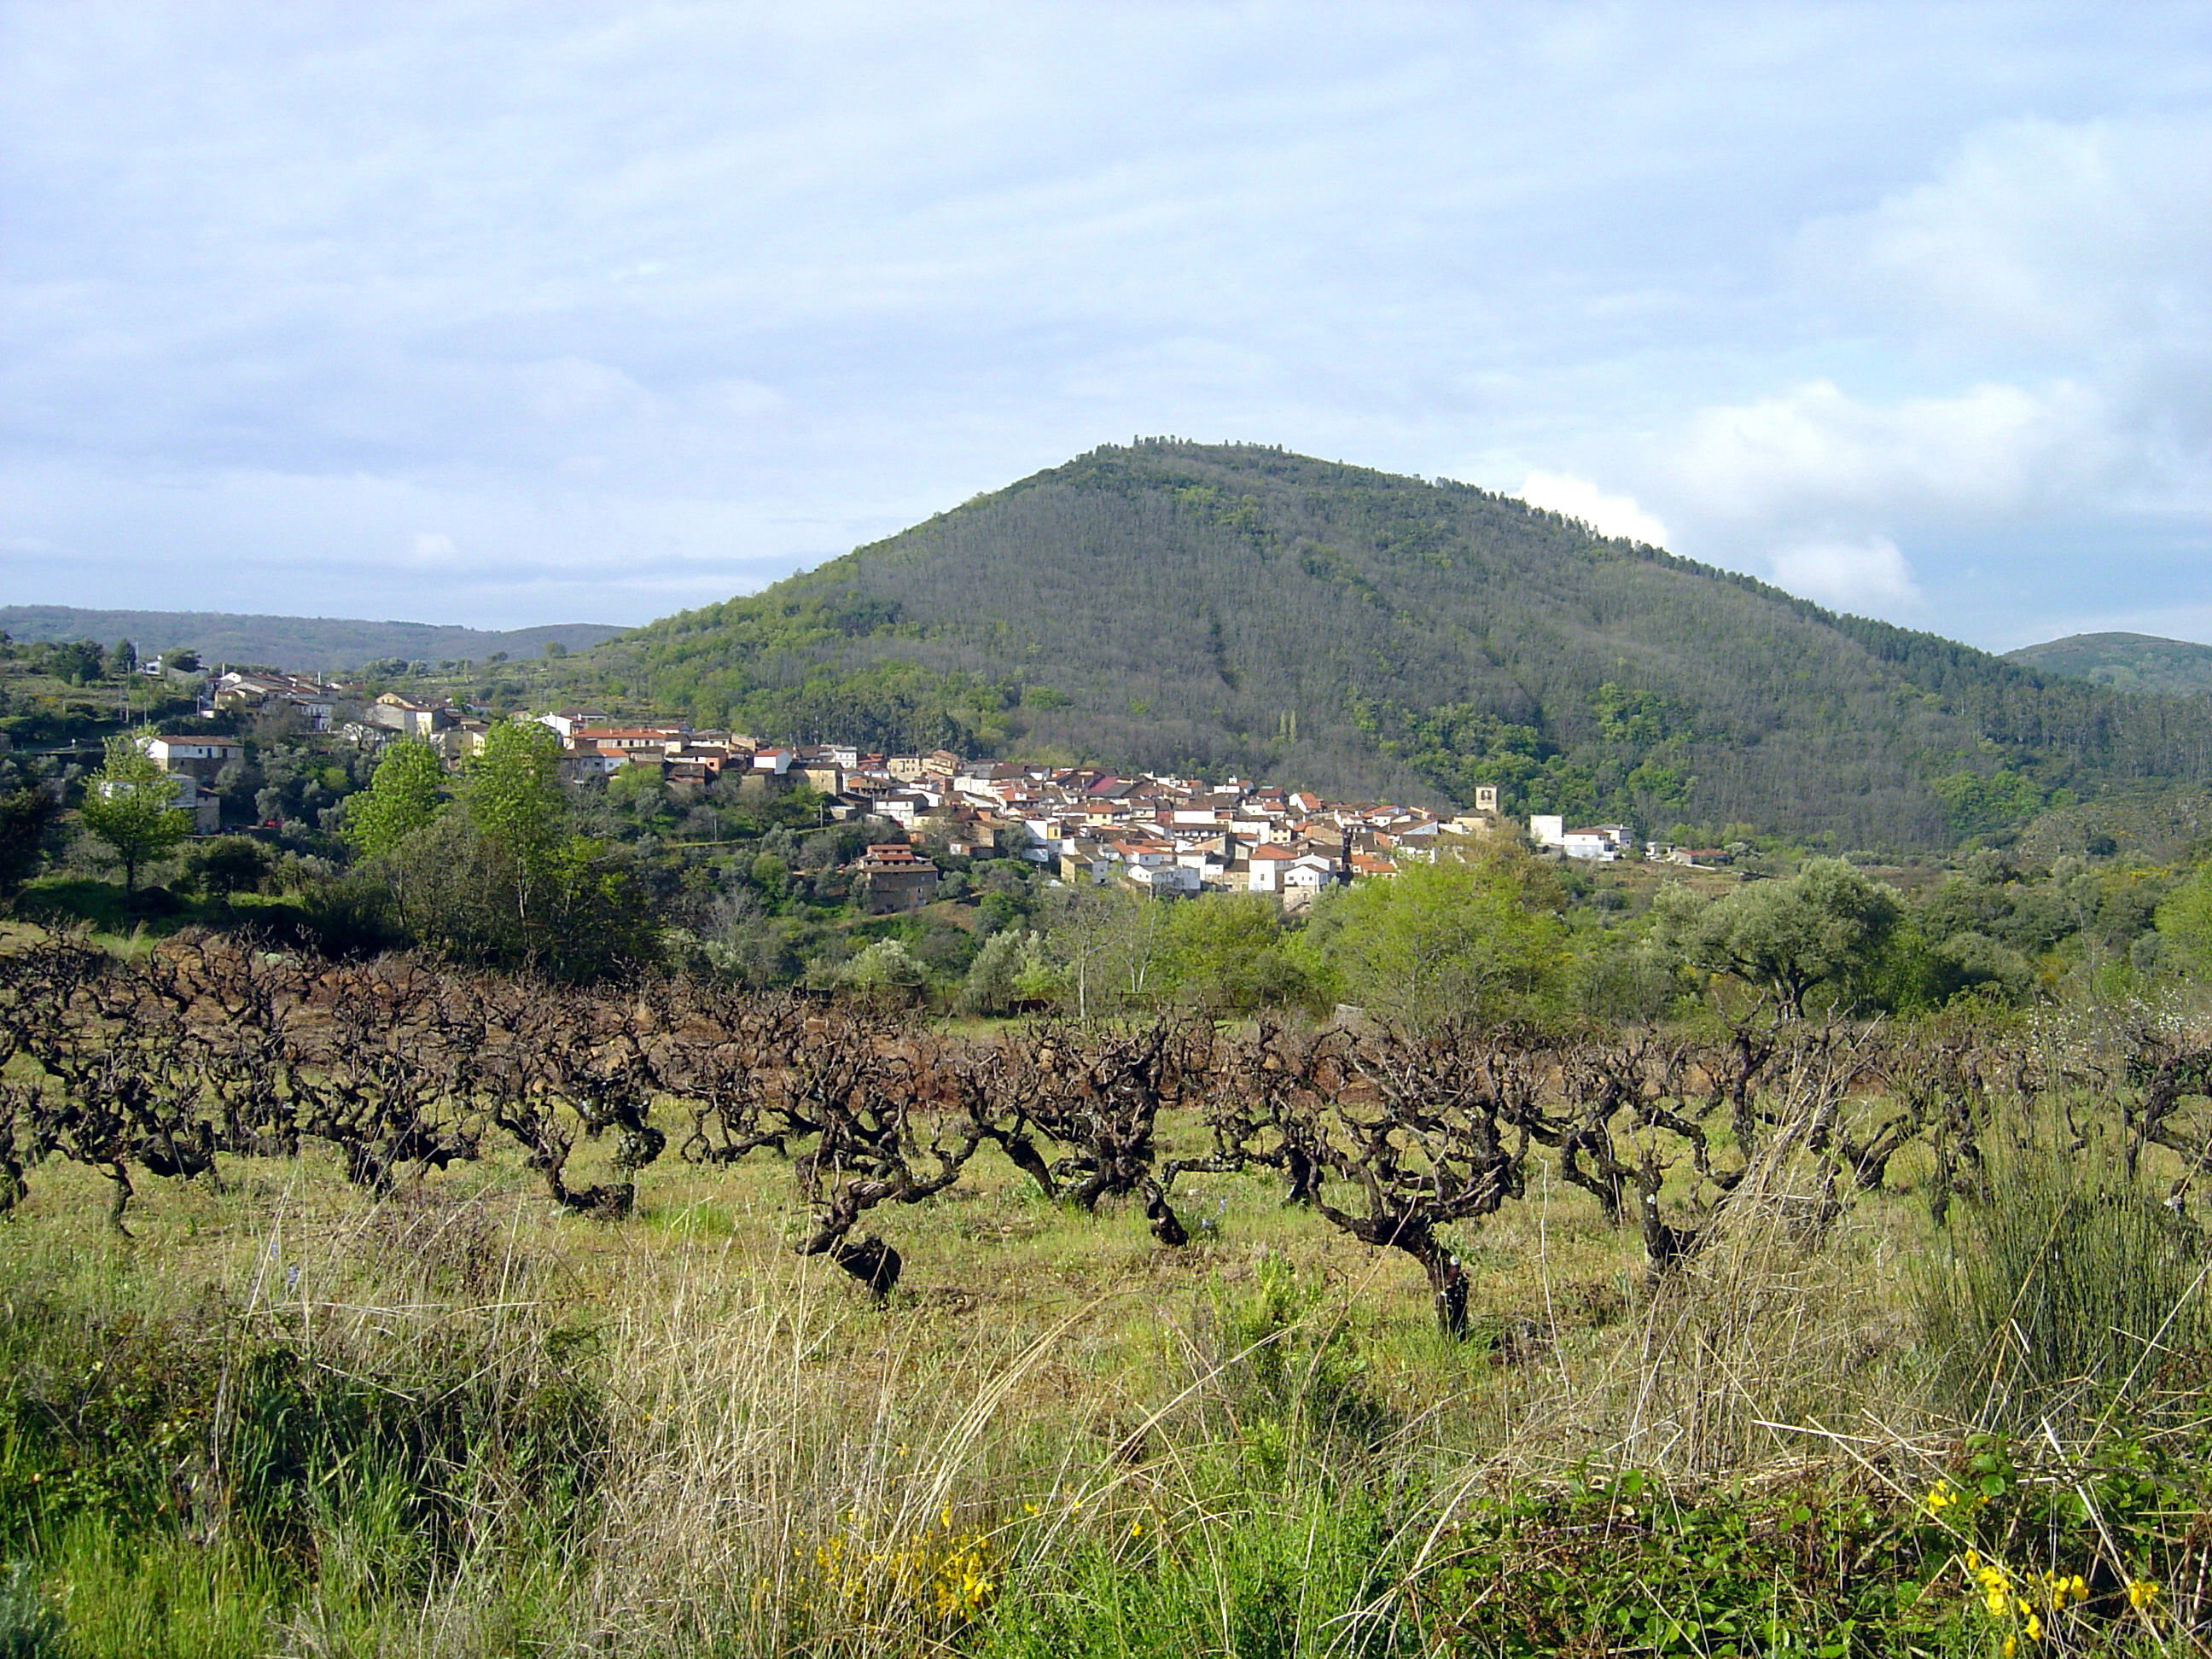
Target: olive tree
{"points": [[1820, 926]]}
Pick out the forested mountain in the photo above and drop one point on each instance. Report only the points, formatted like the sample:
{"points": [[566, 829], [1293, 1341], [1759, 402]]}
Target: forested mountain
{"points": [[1220, 608], [300, 644], [2128, 662]]}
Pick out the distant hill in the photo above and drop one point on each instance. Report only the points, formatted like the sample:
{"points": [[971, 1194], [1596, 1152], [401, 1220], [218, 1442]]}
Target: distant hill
{"points": [[1237, 608], [2130, 662], [302, 644]]}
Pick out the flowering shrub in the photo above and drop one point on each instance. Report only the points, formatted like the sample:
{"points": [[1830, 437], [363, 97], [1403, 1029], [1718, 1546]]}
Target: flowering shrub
{"points": [[939, 1577]]}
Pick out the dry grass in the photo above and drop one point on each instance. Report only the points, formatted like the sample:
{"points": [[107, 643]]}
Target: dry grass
{"points": [[1042, 1382]]}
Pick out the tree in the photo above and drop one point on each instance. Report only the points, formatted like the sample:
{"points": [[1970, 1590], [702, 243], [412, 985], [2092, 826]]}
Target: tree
{"points": [[511, 794], [26, 815], [1226, 954], [1010, 969], [78, 661], [1825, 922], [227, 864], [886, 969], [1474, 936], [183, 659], [124, 657], [499, 877], [128, 803], [404, 794], [2184, 920], [1107, 940]]}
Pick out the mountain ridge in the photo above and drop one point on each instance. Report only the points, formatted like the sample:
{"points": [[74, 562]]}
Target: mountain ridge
{"points": [[298, 644], [1212, 608], [2126, 662]]}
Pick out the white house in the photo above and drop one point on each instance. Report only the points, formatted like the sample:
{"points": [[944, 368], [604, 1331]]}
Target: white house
{"points": [[1593, 844], [201, 757], [1163, 880], [185, 796]]}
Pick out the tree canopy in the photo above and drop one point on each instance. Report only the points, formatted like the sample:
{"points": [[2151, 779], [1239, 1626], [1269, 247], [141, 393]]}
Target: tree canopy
{"points": [[130, 803], [1479, 936], [1786, 937], [403, 796]]}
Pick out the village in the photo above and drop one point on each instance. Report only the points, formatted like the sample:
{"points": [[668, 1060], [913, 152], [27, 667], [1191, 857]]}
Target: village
{"points": [[1161, 834]]}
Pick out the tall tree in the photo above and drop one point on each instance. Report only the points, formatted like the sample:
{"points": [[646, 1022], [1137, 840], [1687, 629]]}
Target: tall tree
{"points": [[404, 794], [511, 795], [130, 803]]}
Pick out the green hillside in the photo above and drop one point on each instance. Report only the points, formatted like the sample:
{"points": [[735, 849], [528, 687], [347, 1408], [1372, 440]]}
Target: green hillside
{"points": [[300, 644], [2128, 662], [1235, 608]]}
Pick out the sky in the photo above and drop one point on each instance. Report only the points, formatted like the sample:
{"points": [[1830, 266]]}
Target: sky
{"points": [[505, 314]]}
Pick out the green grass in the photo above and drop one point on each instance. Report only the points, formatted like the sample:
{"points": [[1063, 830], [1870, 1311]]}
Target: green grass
{"points": [[292, 1421]]}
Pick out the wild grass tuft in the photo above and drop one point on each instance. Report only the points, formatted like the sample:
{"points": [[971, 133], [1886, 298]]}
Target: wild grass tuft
{"points": [[2071, 1295]]}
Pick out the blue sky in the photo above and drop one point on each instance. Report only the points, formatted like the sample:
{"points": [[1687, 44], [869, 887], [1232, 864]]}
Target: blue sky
{"points": [[505, 314]]}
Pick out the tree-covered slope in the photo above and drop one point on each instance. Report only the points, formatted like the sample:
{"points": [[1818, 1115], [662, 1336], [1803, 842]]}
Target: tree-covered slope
{"points": [[300, 644], [1221, 608], [2128, 662]]}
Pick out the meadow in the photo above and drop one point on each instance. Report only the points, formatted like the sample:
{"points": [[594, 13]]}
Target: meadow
{"points": [[312, 1406]]}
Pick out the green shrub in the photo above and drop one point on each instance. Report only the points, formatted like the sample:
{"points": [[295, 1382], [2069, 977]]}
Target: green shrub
{"points": [[2071, 1293], [1289, 1378], [29, 1628]]}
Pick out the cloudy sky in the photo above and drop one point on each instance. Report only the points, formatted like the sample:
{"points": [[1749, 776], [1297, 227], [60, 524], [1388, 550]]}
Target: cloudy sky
{"points": [[512, 313]]}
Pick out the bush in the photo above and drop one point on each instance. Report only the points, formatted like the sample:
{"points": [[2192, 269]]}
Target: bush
{"points": [[226, 864], [29, 1628], [2069, 1294]]}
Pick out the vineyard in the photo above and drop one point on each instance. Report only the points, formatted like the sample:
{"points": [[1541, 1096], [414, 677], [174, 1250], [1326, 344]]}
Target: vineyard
{"points": [[1859, 1313]]}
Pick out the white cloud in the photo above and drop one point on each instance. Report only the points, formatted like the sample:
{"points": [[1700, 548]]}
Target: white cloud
{"points": [[1851, 575], [742, 399], [2090, 237], [1816, 454], [1578, 498], [430, 549], [571, 388]]}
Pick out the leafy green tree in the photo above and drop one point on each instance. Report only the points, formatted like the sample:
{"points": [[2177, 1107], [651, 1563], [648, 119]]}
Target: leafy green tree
{"points": [[124, 657], [637, 787], [404, 794], [27, 815], [1824, 924], [1226, 954], [1480, 937], [886, 969], [130, 803], [1010, 968], [500, 877], [2185, 922], [80, 662], [511, 796]]}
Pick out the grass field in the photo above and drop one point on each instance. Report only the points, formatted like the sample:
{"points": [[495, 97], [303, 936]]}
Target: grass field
{"points": [[291, 1419]]}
